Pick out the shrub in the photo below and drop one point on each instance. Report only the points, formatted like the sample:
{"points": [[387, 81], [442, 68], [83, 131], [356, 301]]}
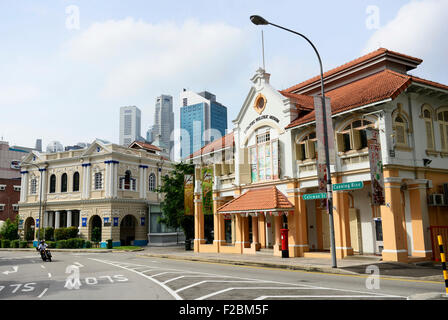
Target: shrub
{"points": [[47, 234], [109, 244], [72, 243], [23, 244], [60, 234], [72, 232], [9, 230], [61, 244], [81, 243], [14, 244], [51, 244], [29, 234], [88, 244], [96, 234], [6, 243]]}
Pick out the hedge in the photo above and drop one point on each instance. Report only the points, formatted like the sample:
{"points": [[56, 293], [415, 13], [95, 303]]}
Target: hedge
{"points": [[51, 244], [6, 243], [14, 244], [61, 244], [88, 244], [23, 244]]}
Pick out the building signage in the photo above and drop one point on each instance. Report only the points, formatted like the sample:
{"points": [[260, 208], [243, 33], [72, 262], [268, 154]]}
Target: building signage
{"points": [[376, 167], [142, 221], [348, 186], [314, 196], [106, 221], [37, 223], [115, 221], [84, 222], [15, 164], [261, 118], [21, 223]]}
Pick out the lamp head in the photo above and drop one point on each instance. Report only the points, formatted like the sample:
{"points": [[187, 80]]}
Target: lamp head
{"points": [[426, 162], [258, 20]]}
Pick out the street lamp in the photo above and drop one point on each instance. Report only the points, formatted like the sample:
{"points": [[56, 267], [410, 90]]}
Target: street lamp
{"points": [[40, 198], [258, 20]]}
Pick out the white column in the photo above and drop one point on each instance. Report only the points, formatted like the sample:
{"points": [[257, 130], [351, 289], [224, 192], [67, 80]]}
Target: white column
{"points": [[24, 186], [142, 177], [80, 220], [57, 223], [69, 218], [88, 184], [51, 215], [44, 184], [107, 181], [145, 181], [115, 179], [45, 222]]}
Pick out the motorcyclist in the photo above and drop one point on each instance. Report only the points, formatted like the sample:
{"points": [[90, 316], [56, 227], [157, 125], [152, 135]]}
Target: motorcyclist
{"points": [[42, 247]]}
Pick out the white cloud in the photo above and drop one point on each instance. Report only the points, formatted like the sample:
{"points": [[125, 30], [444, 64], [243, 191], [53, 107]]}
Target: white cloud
{"points": [[13, 95], [419, 29]]}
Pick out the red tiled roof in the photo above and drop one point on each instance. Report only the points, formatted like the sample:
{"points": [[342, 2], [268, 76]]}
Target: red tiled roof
{"points": [[300, 100], [350, 64], [263, 199], [429, 83], [143, 145], [224, 142], [374, 88]]}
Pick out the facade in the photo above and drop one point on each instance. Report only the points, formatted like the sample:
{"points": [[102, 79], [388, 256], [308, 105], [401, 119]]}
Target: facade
{"points": [[130, 125], [163, 123], [9, 198], [202, 120], [105, 185], [10, 157], [266, 166]]}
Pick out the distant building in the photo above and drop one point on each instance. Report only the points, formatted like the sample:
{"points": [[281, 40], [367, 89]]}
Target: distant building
{"points": [[10, 158], [55, 146], [9, 198], [163, 123], [130, 125], [38, 146], [78, 146], [203, 118]]}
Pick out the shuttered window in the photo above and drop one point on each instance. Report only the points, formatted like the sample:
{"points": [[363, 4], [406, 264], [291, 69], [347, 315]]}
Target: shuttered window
{"points": [[443, 127], [353, 136], [427, 116], [400, 126]]}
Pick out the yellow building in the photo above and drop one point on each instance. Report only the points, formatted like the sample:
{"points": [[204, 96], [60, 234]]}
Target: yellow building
{"points": [[267, 163], [105, 185]]}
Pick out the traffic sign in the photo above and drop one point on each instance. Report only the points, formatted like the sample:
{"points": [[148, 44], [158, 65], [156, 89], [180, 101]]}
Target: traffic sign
{"points": [[313, 196], [348, 186]]}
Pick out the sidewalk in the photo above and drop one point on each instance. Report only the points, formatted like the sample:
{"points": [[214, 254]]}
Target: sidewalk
{"points": [[353, 265]]}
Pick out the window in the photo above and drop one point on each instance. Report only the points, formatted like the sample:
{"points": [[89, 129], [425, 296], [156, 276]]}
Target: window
{"points": [[17, 188], [400, 129], [127, 182], [427, 117], [64, 182], [152, 182], [353, 136], [98, 181], [33, 186], [307, 147], [15, 207], [2, 187], [76, 181], [52, 183], [442, 117], [263, 158], [2, 207]]}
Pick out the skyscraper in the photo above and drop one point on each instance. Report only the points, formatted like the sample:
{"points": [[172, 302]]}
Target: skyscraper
{"points": [[203, 118], [160, 133], [130, 124]]}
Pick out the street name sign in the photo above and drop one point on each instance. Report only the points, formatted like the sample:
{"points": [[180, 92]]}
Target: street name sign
{"points": [[313, 196], [348, 186]]}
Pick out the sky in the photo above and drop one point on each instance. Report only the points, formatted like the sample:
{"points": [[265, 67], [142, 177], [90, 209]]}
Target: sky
{"points": [[68, 66]]}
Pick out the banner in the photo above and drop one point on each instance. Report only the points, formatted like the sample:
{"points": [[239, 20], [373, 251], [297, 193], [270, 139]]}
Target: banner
{"points": [[376, 167], [189, 195]]}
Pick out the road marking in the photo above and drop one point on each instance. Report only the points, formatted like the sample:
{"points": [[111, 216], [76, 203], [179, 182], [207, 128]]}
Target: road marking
{"points": [[205, 281], [42, 266], [194, 276], [49, 275], [174, 294], [43, 292], [324, 296], [255, 288], [78, 264], [15, 268]]}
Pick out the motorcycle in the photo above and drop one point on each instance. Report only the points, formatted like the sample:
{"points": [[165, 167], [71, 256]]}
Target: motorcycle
{"points": [[45, 255]]}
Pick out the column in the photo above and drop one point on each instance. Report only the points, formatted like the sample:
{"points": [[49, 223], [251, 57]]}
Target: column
{"points": [[143, 178], [86, 180], [255, 240], [115, 179], [262, 230], [393, 220], [238, 233], [51, 216], [107, 182], [69, 218], [43, 183], [245, 229], [278, 244], [57, 219], [420, 219], [45, 222], [218, 222], [297, 223], [24, 186], [341, 219], [198, 218]]}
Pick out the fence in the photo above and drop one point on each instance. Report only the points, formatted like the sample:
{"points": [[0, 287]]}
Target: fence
{"points": [[435, 231]]}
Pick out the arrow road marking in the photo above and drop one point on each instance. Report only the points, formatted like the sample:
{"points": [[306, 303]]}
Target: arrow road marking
{"points": [[15, 270]]}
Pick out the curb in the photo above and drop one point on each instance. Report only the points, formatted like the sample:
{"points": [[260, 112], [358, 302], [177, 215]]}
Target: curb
{"points": [[58, 250]]}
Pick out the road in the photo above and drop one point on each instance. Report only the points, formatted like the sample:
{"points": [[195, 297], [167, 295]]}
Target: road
{"points": [[130, 276]]}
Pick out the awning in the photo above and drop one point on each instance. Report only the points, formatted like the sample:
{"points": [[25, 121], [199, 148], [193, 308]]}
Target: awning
{"points": [[259, 201]]}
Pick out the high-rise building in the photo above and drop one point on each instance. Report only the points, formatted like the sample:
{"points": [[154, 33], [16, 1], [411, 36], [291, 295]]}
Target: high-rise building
{"points": [[163, 123], [130, 124], [203, 118]]}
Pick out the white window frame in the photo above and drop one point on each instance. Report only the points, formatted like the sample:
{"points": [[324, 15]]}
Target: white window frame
{"points": [[443, 128], [15, 207], [33, 186], [2, 187], [2, 207], [152, 182], [98, 184], [429, 125], [17, 188]]}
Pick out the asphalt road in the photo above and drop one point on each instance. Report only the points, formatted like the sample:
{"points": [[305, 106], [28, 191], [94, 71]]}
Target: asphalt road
{"points": [[130, 276]]}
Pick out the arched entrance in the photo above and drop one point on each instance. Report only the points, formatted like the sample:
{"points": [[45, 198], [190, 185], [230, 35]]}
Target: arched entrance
{"points": [[127, 230], [29, 229], [95, 222]]}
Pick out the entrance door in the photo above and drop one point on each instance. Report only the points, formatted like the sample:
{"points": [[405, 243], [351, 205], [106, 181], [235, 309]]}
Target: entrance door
{"points": [[127, 230], [378, 236], [312, 225], [269, 231]]}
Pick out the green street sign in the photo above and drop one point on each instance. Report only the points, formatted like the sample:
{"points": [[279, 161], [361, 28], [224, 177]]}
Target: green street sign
{"points": [[348, 186], [313, 196]]}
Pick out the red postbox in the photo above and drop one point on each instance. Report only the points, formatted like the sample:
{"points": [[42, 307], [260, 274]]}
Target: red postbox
{"points": [[284, 238]]}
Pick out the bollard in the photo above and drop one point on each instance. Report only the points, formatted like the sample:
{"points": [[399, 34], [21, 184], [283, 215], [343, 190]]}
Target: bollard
{"points": [[442, 257]]}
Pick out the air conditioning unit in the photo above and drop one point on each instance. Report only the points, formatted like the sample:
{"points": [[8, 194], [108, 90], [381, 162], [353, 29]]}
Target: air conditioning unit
{"points": [[436, 199]]}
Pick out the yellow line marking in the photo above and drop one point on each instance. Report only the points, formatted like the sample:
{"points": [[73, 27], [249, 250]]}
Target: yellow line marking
{"points": [[303, 271]]}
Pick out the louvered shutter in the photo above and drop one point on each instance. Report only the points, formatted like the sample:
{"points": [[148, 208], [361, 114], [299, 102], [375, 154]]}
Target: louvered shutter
{"points": [[429, 135]]}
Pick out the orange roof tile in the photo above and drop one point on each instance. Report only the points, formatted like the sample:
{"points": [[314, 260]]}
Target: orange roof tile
{"points": [[143, 145], [224, 142], [301, 101], [260, 199]]}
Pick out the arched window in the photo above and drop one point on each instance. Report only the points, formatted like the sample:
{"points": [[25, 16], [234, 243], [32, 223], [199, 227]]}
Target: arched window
{"points": [[127, 182], [353, 136], [33, 186], [427, 117], [263, 156], [98, 181], [400, 127], [52, 183], [307, 147], [442, 117], [152, 182], [64, 182], [76, 181]]}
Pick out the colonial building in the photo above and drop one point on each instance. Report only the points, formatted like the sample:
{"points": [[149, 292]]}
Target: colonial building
{"points": [[265, 166], [105, 185]]}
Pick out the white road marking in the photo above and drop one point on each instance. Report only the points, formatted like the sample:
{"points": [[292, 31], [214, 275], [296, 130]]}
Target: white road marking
{"points": [[14, 270], [49, 275], [78, 264], [325, 296], [43, 292], [42, 266], [205, 281], [194, 276], [252, 288], [174, 294]]}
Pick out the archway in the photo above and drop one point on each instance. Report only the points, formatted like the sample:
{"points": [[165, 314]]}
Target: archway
{"points": [[127, 230], [29, 229], [95, 222]]}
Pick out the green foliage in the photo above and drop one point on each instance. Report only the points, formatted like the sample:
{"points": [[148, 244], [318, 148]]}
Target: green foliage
{"points": [[96, 234], [9, 229], [47, 234], [109, 243], [61, 244], [29, 235], [51, 244], [88, 244], [23, 244], [173, 212], [72, 243], [14, 243], [6, 243], [72, 232]]}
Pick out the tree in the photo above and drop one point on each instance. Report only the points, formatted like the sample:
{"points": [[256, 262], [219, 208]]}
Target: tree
{"points": [[96, 234], [9, 230], [173, 211]]}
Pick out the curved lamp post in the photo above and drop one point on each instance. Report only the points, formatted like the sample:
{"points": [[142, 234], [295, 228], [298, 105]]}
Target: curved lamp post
{"points": [[258, 20]]}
